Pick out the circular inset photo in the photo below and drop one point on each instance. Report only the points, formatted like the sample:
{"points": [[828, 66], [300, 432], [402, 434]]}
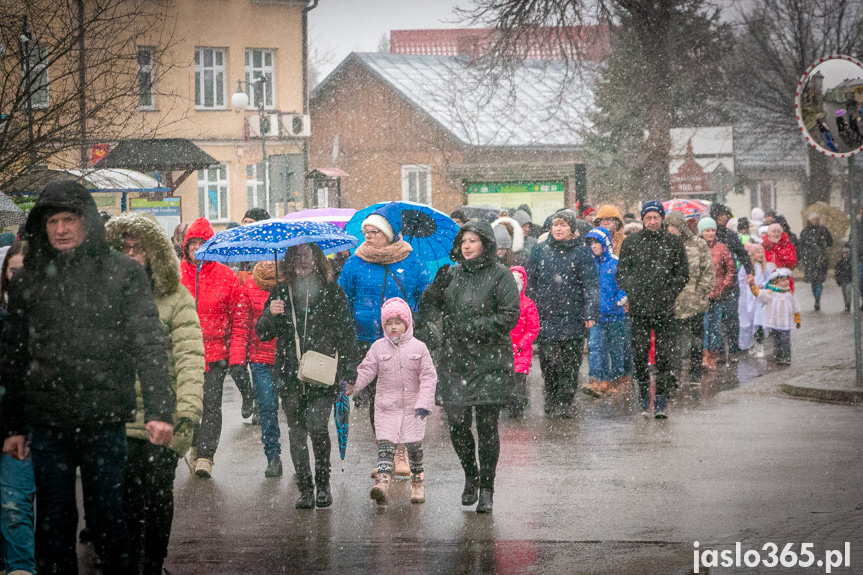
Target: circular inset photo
{"points": [[828, 105]]}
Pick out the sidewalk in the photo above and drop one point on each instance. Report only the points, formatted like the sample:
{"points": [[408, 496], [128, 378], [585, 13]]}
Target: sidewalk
{"points": [[827, 372]]}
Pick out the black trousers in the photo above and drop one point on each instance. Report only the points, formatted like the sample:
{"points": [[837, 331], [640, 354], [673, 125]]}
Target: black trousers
{"points": [[560, 361], [461, 435], [207, 437], [664, 328], [691, 329], [309, 417], [149, 499]]}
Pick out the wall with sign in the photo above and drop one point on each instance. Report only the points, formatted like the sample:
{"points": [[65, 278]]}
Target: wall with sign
{"points": [[166, 211], [544, 198]]}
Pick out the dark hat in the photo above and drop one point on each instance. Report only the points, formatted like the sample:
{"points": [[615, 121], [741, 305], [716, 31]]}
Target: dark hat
{"points": [[257, 214], [569, 216], [653, 206]]}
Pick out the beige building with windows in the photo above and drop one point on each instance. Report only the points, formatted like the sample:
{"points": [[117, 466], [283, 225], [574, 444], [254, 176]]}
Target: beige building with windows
{"points": [[188, 71]]}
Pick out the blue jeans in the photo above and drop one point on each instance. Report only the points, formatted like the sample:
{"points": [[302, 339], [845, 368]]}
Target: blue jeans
{"points": [[607, 350], [713, 326], [268, 408], [100, 452], [16, 514], [817, 289]]}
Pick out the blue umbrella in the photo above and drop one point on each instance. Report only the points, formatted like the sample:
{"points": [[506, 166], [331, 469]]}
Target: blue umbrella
{"points": [[341, 410], [429, 231], [269, 239]]}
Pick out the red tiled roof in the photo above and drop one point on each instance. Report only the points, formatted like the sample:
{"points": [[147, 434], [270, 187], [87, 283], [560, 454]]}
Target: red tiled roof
{"points": [[547, 44]]}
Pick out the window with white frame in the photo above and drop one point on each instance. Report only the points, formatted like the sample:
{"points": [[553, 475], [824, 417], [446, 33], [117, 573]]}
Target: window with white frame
{"points": [[209, 78], [145, 78], [764, 195], [37, 63], [416, 184], [256, 193], [259, 64], [213, 188]]}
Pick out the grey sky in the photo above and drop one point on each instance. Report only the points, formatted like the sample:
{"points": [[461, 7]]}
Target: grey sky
{"points": [[339, 27]]}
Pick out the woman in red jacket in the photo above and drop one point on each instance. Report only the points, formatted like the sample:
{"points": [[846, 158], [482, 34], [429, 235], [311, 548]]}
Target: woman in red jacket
{"points": [[523, 336], [214, 287], [779, 250], [247, 348]]}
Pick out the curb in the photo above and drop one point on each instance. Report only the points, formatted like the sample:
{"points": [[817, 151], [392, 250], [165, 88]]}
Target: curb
{"points": [[844, 395]]}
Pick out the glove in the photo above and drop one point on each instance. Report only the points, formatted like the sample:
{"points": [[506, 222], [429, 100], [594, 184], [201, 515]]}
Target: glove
{"points": [[240, 375], [443, 278], [343, 386], [421, 413]]}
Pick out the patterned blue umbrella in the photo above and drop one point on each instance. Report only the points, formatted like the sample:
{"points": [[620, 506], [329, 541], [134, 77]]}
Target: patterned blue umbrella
{"points": [[341, 410], [429, 231], [270, 239]]}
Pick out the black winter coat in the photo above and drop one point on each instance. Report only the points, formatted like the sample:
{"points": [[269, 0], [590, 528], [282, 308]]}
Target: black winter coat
{"points": [[478, 304], [79, 328], [562, 282], [330, 329], [814, 241], [652, 270], [843, 272]]}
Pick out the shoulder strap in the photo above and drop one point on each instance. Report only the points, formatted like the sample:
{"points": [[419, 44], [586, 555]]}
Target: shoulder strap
{"points": [[396, 279], [294, 318]]}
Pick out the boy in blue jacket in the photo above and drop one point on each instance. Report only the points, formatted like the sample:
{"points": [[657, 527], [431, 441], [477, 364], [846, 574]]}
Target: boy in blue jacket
{"points": [[608, 357]]}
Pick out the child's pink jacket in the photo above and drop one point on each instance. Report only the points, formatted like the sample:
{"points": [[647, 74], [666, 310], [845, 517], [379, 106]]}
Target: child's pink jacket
{"points": [[406, 380]]}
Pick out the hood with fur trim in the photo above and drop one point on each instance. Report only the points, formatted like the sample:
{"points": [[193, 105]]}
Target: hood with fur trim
{"points": [[678, 220], [603, 236], [161, 257], [517, 232], [520, 271]]}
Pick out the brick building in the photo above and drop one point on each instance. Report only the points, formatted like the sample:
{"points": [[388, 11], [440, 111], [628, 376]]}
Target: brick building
{"points": [[425, 128]]}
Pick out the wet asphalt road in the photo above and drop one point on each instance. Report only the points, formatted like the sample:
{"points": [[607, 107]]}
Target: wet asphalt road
{"points": [[606, 492]]}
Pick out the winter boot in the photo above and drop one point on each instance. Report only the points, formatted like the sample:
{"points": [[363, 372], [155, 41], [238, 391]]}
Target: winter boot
{"points": [[324, 498], [485, 500], [660, 407], [712, 356], [401, 467], [705, 358], [248, 407], [470, 493], [306, 499], [204, 468], [381, 488], [591, 388], [418, 492], [274, 468], [605, 388]]}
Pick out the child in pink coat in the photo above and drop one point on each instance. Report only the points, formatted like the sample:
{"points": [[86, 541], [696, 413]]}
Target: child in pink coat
{"points": [[404, 395], [523, 336]]}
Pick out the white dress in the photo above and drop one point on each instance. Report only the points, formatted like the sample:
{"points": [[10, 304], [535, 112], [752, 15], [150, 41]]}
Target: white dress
{"points": [[750, 310]]}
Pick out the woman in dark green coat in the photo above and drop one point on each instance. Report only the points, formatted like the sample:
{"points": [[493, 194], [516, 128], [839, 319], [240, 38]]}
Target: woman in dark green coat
{"points": [[478, 302]]}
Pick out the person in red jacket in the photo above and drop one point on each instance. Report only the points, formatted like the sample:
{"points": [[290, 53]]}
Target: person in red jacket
{"points": [[523, 335], [215, 288], [246, 348], [726, 278], [779, 250]]}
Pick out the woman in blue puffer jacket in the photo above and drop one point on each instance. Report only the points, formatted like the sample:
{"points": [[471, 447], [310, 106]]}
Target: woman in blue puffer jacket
{"points": [[382, 267]]}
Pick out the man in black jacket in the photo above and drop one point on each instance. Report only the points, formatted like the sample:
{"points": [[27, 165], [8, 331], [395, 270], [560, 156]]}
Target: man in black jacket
{"points": [[653, 270], [730, 316], [81, 324]]}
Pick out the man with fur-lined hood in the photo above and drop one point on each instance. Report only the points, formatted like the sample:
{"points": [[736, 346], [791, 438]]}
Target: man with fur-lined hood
{"points": [[150, 469]]}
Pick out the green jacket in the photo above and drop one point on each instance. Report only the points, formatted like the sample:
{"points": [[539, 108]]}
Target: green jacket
{"points": [[477, 303], [178, 318]]}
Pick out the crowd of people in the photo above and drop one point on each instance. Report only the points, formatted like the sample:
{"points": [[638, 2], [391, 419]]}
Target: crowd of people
{"points": [[116, 343]]}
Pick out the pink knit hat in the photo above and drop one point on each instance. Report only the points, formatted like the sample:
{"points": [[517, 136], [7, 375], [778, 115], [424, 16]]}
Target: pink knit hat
{"points": [[396, 307]]}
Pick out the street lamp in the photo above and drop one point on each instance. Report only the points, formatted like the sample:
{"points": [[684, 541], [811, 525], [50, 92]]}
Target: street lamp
{"points": [[239, 101]]}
